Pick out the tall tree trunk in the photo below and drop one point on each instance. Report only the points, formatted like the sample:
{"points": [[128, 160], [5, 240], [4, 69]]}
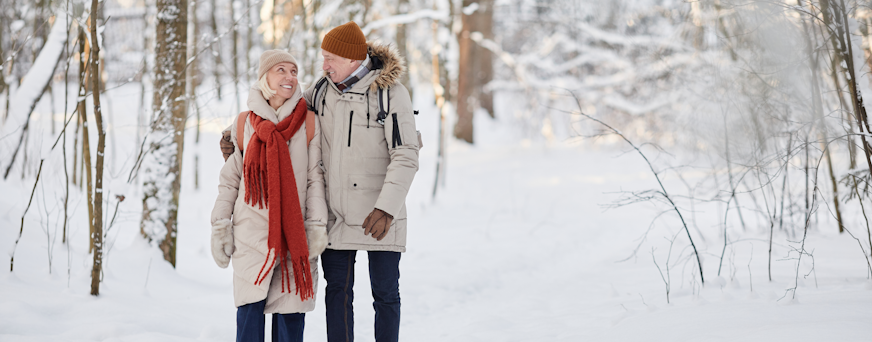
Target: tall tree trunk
{"points": [[2, 63], [440, 104], [249, 40], [34, 86], [463, 129], [76, 146], [40, 20], [483, 20], [403, 8], [234, 55], [817, 104], [163, 163], [86, 146], [834, 16], [190, 89], [843, 107], [216, 49], [97, 235]]}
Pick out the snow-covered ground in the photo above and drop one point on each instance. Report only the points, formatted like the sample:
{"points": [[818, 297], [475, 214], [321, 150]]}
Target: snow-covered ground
{"points": [[515, 247]]}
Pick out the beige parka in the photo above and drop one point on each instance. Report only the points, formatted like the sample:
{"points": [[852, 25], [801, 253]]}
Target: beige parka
{"points": [[250, 224], [363, 169]]}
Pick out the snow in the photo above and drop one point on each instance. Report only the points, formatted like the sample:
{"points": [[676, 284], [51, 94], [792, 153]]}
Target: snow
{"points": [[405, 19], [38, 76], [515, 247]]}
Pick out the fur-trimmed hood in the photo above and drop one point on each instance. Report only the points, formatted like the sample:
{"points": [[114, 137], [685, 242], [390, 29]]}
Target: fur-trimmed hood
{"points": [[388, 59]]}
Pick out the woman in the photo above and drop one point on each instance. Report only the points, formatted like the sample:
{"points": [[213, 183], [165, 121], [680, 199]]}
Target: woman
{"points": [[272, 189]]}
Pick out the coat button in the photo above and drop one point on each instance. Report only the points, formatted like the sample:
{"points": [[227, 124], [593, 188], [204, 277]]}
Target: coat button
{"points": [[355, 184]]}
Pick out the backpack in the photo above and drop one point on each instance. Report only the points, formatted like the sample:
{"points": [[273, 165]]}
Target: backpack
{"points": [[240, 128], [384, 106]]}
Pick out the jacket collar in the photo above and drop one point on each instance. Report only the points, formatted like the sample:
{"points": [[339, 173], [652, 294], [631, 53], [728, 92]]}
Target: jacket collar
{"points": [[261, 107]]}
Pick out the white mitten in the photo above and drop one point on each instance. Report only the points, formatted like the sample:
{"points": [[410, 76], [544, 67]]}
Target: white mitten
{"points": [[222, 242], [316, 237]]}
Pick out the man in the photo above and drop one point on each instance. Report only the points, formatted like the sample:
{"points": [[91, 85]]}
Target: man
{"points": [[369, 157]]}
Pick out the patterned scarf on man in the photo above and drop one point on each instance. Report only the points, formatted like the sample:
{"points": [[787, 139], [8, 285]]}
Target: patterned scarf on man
{"points": [[355, 76]]}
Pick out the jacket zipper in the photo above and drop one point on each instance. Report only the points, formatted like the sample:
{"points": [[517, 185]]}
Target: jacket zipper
{"points": [[350, 121]]}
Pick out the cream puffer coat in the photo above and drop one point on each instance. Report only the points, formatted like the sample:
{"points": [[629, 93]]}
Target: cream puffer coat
{"points": [[364, 170], [250, 224]]}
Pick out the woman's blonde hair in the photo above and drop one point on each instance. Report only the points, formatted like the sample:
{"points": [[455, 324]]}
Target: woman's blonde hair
{"points": [[265, 90]]}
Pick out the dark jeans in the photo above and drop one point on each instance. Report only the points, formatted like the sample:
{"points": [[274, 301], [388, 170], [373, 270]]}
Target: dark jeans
{"points": [[384, 277], [250, 324]]}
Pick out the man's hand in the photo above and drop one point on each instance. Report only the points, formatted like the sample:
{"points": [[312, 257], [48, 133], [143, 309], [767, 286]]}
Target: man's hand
{"points": [[377, 223], [226, 145]]}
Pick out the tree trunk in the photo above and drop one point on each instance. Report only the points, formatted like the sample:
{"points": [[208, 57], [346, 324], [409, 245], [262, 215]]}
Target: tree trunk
{"points": [[34, 86], [843, 107], [483, 21], [190, 89], [86, 146], [817, 104], [97, 235], [403, 8], [234, 56], [249, 40], [216, 48], [836, 17], [440, 104], [163, 163], [463, 129], [2, 64]]}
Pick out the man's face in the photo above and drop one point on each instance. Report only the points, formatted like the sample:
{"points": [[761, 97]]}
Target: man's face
{"points": [[337, 67]]}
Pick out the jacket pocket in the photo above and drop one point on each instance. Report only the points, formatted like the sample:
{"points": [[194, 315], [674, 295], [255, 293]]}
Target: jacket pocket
{"points": [[363, 192]]}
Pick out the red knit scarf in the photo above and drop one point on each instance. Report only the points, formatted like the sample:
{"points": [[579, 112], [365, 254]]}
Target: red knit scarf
{"points": [[269, 179]]}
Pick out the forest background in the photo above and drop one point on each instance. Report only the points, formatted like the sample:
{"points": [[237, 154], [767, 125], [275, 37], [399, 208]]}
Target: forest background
{"points": [[744, 123]]}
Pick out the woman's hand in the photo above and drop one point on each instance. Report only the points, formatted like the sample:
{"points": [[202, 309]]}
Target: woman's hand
{"points": [[316, 238], [222, 242]]}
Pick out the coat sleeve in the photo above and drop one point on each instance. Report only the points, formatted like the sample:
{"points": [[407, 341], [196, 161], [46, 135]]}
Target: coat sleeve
{"points": [[404, 154], [228, 182], [316, 203]]}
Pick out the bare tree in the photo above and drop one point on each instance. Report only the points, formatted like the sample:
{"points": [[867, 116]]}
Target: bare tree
{"points": [[97, 234]]}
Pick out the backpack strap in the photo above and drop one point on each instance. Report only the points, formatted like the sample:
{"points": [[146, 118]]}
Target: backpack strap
{"points": [[318, 87], [240, 129], [310, 127], [384, 105]]}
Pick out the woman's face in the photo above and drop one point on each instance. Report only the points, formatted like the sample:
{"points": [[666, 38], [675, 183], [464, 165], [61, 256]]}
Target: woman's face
{"points": [[282, 78]]}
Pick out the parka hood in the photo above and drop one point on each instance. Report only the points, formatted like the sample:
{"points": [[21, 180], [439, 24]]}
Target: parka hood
{"points": [[388, 59]]}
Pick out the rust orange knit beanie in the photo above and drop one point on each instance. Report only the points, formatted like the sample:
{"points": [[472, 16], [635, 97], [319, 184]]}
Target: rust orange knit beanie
{"points": [[346, 40]]}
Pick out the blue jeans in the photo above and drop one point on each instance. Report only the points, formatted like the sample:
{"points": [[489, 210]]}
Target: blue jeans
{"points": [[384, 277], [250, 324]]}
